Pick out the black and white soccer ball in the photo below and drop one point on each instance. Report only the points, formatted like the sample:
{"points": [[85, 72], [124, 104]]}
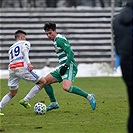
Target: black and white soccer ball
{"points": [[40, 108]]}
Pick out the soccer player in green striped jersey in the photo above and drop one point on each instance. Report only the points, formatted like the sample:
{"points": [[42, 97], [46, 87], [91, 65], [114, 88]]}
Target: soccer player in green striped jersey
{"points": [[67, 66], [65, 73]]}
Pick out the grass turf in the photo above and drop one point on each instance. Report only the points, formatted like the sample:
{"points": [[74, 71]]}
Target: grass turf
{"points": [[75, 114]]}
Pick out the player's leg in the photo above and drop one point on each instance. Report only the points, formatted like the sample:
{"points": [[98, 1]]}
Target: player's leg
{"points": [[34, 90], [41, 82], [33, 77], [37, 88], [4, 101], [67, 86], [7, 98], [79, 91], [29, 96], [13, 84], [50, 92]]}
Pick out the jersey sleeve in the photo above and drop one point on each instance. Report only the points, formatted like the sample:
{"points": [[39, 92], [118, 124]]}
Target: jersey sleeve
{"points": [[25, 51], [26, 46], [70, 56]]}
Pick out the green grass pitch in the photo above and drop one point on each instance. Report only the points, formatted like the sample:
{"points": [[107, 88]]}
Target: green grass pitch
{"points": [[75, 114]]}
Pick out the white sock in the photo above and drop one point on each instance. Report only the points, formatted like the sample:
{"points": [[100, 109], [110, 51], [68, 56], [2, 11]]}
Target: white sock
{"points": [[54, 103], [5, 100], [89, 97], [32, 93]]}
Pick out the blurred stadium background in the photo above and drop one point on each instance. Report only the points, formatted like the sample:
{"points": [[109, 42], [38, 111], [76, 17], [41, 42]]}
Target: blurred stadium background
{"points": [[86, 24]]}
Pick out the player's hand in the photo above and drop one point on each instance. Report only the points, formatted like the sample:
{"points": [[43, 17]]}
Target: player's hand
{"points": [[30, 67], [63, 70]]}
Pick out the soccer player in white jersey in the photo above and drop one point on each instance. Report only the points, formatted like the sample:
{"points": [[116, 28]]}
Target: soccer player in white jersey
{"points": [[21, 68], [68, 69]]}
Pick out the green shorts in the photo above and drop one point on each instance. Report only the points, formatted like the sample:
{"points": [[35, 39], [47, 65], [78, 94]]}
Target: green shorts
{"points": [[69, 75]]}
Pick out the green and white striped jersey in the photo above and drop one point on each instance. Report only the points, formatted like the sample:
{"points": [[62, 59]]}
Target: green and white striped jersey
{"points": [[63, 50]]}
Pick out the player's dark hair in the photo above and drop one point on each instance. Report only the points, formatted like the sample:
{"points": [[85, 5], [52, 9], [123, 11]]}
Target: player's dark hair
{"points": [[18, 32], [50, 25]]}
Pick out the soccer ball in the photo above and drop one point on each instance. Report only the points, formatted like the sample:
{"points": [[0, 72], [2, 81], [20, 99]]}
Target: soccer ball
{"points": [[40, 108]]}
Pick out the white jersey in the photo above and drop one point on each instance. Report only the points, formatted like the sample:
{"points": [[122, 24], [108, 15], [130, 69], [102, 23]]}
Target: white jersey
{"points": [[16, 54], [18, 69]]}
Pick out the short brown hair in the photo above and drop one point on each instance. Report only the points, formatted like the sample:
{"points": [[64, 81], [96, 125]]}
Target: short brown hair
{"points": [[50, 25], [18, 32]]}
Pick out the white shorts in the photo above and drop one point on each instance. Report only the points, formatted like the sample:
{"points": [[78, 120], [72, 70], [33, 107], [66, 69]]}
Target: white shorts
{"points": [[22, 73]]}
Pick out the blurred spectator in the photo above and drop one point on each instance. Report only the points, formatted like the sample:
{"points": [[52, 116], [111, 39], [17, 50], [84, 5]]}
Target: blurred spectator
{"points": [[1, 1], [51, 3], [95, 2], [102, 3], [20, 4], [118, 3], [54, 3], [108, 4], [71, 3], [31, 3], [122, 29], [9, 3]]}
